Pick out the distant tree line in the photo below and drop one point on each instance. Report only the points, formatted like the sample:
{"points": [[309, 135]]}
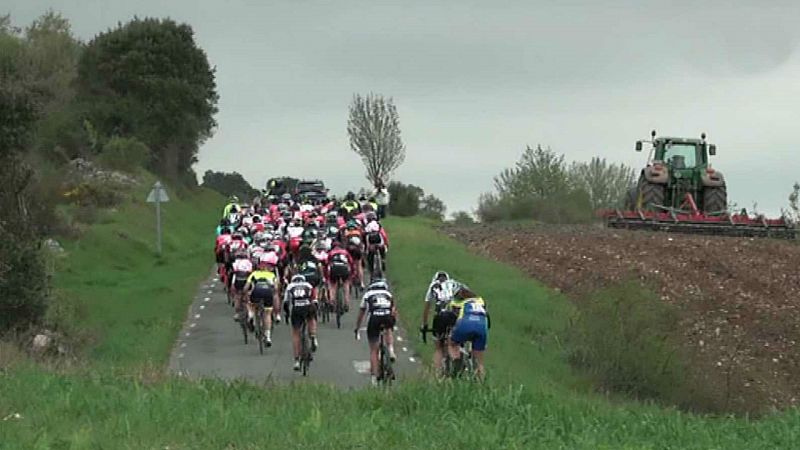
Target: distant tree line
{"points": [[229, 184], [542, 186]]}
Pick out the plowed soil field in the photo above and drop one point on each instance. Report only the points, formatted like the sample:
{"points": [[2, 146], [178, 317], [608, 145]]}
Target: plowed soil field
{"points": [[739, 298]]}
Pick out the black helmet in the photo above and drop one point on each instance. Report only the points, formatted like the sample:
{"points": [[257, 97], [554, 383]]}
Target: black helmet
{"points": [[441, 276], [350, 196]]}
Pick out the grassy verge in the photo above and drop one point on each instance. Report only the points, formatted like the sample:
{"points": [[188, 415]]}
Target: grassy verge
{"points": [[104, 411], [523, 344], [131, 301]]}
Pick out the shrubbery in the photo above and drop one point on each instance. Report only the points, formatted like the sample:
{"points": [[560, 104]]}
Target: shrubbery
{"points": [[542, 187]]}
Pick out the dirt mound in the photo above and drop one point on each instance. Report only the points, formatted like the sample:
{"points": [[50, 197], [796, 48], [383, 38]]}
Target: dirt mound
{"points": [[738, 297]]}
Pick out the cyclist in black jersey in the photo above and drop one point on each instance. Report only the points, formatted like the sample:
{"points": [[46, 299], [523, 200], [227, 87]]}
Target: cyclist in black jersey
{"points": [[440, 293], [379, 303]]}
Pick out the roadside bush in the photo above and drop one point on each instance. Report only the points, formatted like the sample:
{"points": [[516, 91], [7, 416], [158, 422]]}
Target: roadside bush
{"points": [[124, 154], [624, 337], [95, 193], [23, 280]]}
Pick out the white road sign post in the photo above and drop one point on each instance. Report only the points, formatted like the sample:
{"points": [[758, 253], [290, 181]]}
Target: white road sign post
{"points": [[157, 195]]}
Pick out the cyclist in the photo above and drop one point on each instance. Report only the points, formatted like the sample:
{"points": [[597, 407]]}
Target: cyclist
{"points": [[301, 297], [340, 271], [232, 207], [350, 205], [262, 288], [309, 267], [472, 324], [242, 268], [380, 305], [353, 239], [377, 241], [440, 293]]}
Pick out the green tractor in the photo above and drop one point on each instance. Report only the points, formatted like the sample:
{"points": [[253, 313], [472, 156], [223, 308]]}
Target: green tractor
{"points": [[678, 171]]}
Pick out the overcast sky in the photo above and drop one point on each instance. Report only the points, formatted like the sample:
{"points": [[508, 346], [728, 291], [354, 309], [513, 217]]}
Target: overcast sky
{"points": [[475, 81]]}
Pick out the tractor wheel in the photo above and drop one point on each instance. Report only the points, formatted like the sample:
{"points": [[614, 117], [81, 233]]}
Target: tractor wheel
{"points": [[715, 199], [651, 194]]}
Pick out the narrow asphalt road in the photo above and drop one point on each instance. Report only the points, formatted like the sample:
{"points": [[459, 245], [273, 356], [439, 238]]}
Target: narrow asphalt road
{"points": [[211, 345]]}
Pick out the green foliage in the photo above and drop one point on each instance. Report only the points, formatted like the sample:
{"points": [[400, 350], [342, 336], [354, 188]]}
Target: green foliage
{"points": [[606, 183], [405, 199], [374, 130], [625, 337], [229, 184], [432, 208], [542, 187], [462, 218], [124, 154], [148, 79]]}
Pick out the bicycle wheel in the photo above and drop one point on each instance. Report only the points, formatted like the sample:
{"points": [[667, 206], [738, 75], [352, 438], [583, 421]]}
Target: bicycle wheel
{"points": [[259, 330], [339, 304], [377, 266], [304, 352], [243, 323]]}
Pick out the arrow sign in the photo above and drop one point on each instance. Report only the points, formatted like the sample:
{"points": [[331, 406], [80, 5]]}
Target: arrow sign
{"points": [[157, 194]]}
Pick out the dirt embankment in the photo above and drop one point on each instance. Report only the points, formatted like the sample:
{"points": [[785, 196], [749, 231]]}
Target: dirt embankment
{"points": [[739, 298]]}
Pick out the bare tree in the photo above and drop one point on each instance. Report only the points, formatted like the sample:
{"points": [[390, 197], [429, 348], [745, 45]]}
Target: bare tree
{"points": [[374, 129]]}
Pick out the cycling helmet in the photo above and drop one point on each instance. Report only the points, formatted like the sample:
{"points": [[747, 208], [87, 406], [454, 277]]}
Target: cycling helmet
{"points": [[370, 216], [241, 254], [256, 219], [378, 283], [287, 197], [298, 279], [350, 196], [237, 236], [441, 276], [461, 291], [352, 224]]}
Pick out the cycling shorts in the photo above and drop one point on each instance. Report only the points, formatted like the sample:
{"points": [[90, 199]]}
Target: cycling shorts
{"points": [[301, 314], [441, 322], [312, 278], [471, 328], [355, 251], [376, 324], [340, 272], [263, 295]]}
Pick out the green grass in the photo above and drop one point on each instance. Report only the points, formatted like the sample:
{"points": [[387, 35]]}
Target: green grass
{"points": [[527, 317], [532, 399], [131, 300], [111, 411]]}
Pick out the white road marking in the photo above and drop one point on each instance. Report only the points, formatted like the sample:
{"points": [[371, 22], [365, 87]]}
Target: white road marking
{"points": [[181, 355], [405, 349], [183, 344], [192, 325], [197, 316], [361, 367], [411, 358], [209, 292], [400, 338], [187, 334], [207, 299], [202, 306]]}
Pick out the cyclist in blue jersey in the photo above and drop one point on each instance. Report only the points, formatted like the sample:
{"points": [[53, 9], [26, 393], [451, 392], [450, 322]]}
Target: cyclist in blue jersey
{"points": [[472, 325]]}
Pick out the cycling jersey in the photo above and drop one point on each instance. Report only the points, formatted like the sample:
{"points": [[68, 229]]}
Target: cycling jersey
{"points": [[299, 294], [471, 307], [263, 283], [351, 205], [377, 302]]}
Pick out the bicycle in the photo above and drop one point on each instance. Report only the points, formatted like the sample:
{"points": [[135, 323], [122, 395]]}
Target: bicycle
{"points": [[385, 368], [450, 368], [305, 349], [339, 304], [324, 312], [258, 318]]}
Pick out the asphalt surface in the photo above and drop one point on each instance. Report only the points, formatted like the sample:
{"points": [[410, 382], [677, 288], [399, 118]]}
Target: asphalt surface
{"points": [[211, 345]]}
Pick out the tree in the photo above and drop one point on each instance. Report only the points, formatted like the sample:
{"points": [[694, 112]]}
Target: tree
{"points": [[462, 218], [148, 79], [539, 173], [229, 184], [794, 205], [405, 199], [432, 207], [606, 184], [374, 130], [22, 275]]}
